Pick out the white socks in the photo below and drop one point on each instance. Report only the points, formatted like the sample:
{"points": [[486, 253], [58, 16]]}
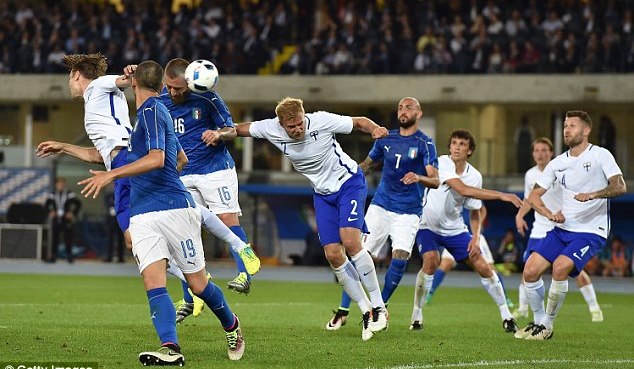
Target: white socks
{"points": [[423, 285], [535, 296], [523, 303], [494, 289], [591, 297], [349, 279], [556, 297], [212, 224], [367, 274]]}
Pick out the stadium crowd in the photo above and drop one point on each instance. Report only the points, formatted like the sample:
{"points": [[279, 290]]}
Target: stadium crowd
{"points": [[332, 36]]}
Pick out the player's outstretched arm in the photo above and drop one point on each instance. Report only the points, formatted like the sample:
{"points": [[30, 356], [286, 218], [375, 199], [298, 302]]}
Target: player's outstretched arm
{"points": [[520, 223], [616, 187], [431, 180], [87, 154], [368, 165], [482, 193], [242, 129], [155, 159], [213, 136], [367, 125]]}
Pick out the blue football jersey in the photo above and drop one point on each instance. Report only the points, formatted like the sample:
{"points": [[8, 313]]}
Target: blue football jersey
{"points": [[400, 155], [197, 114], [159, 189]]}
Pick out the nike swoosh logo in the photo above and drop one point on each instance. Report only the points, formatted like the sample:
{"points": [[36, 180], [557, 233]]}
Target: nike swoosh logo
{"points": [[364, 274], [150, 109], [189, 262], [352, 219]]}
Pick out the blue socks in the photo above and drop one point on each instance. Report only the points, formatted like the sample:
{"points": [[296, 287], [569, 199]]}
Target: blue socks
{"points": [[438, 277], [186, 295], [213, 297], [393, 278], [163, 315], [238, 231]]}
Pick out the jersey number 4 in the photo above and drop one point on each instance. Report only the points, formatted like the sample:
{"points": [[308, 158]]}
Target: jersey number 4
{"points": [[583, 252]]}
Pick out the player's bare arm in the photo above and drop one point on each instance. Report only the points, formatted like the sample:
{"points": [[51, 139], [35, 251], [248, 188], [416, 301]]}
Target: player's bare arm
{"points": [[536, 202], [87, 154], [520, 223], [242, 129], [181, 160], [431, 180], [616, 187], [155, 159], [475, 220], [213, 136], [368, 165], [482, 193], [367, 125]]}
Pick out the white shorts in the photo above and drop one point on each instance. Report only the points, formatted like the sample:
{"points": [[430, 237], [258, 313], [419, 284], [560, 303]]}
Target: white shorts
{"points": [[170, 234], [218, 190], [484, 250], [400, 228]]}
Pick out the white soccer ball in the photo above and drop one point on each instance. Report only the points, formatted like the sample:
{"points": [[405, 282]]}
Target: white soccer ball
{"points": [[201, 75]]}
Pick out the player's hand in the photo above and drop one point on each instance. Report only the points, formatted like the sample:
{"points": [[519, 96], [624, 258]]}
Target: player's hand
{"points": [[93, 185], [521, 225], [474, 246], [583, 197], [379, 132], [211, 137], [48, 148], [513, 199], [409, 178], [557, 217], [129, 70]]}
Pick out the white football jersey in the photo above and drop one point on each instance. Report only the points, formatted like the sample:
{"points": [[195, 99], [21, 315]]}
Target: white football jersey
{"points": [[442, 207], [552, 200], [318, 156], [106, 116], [585, 173]]}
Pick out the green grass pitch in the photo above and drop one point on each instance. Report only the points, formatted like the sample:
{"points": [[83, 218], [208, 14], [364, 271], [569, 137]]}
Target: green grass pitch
{"points": [[106, 320]]}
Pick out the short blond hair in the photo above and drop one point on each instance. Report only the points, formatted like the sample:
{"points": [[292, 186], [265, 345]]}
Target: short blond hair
{"points": [[289, 108]]}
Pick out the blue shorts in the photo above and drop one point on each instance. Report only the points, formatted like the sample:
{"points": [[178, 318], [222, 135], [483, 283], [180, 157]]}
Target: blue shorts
{"points": [[530, 246], [580, 247], [122, 192], [458, 245], [345, 208]]}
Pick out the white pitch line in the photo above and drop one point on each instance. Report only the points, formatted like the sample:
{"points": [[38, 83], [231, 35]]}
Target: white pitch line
{"points": [[484, 363]]}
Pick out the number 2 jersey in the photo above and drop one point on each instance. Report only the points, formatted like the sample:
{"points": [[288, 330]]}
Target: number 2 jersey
{"points": [[400, 155], [197, 114]]}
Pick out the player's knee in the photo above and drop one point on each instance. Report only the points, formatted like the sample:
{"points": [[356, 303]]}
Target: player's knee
{"points": [[561, 270], [334, 255], [430, 262], [400, 255], [531, 273]]}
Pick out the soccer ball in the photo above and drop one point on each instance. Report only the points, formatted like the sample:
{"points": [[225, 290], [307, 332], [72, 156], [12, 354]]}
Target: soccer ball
{"points": [[201, 75]]}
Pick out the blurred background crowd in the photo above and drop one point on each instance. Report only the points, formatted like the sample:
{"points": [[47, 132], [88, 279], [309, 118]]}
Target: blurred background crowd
{"points": [[326, 36]]}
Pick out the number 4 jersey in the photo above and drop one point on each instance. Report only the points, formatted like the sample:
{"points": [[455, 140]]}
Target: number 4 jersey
{"points": [[588, 172]]}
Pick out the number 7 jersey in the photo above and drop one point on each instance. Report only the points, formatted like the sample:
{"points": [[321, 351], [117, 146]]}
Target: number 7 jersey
{"points": [[400, 155]]}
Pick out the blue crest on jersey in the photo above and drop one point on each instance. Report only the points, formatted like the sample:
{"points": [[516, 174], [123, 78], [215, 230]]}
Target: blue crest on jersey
{"points": [[412, 152]]}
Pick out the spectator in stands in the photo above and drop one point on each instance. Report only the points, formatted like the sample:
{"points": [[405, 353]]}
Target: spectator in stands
{"points": [[63, 207], [618, 264], [508, 253]]}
